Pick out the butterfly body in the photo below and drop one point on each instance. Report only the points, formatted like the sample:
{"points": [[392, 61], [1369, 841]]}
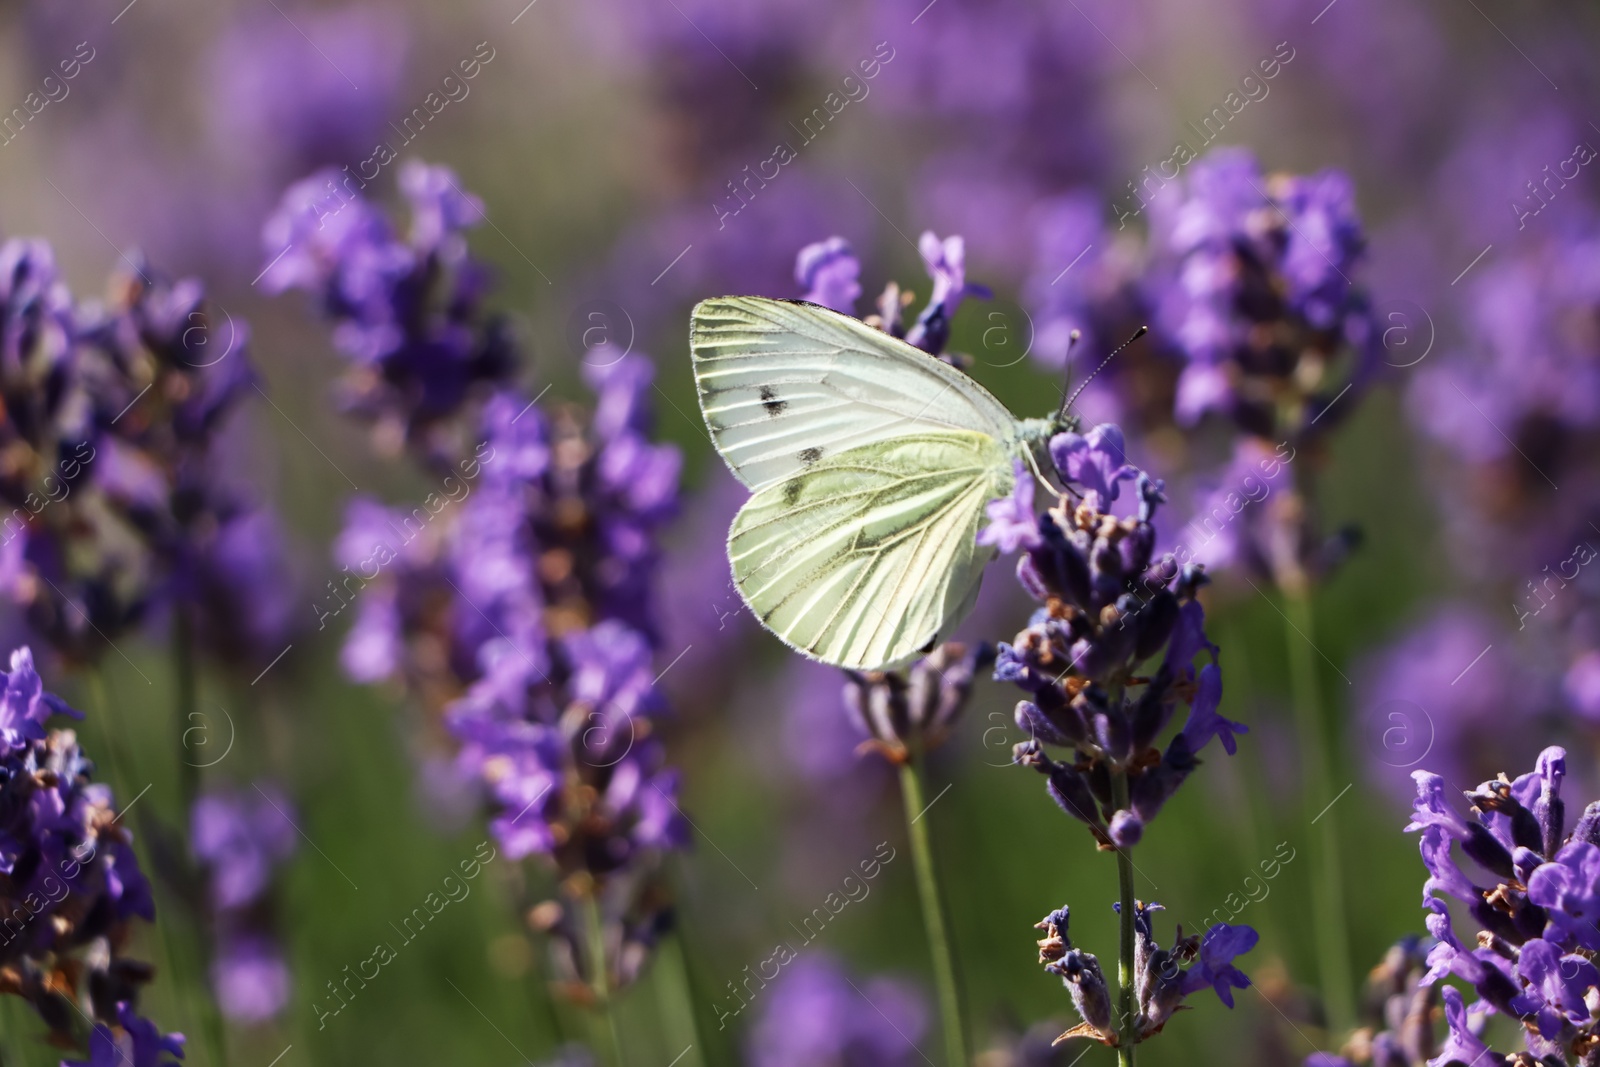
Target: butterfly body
{"points": [[870, 464]]}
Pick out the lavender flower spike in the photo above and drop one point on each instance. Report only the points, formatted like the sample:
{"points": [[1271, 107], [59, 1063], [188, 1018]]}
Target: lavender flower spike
{"points": [[1531, 955], [1110, 606], [1163, 978], [70, 885]]}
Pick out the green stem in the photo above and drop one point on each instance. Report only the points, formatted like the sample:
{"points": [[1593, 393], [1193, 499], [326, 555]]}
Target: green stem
{"points": [[175, 961], [1127, 1010], [912, 792], [1251, 800], [187, 699], [18, 1022], [674, 992], [184, 671], [599, 982], [1327, 884]]}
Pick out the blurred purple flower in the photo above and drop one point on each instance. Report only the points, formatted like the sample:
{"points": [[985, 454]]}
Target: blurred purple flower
{"points": [[1411, 711], [1262, 294], [829, 272], [240, 837], [250, 979], [272, 84], [815, 1016], [407, 312]]}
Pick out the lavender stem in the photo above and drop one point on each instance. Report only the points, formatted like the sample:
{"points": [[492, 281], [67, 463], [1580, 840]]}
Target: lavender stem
{"points": [[1128, 1031], [912, 792], [1327, 886], [604, 1016]]}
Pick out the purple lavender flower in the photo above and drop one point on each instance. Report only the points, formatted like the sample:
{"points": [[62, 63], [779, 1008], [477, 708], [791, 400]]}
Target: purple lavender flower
{"points": [[1462, 1043], [1410, 711], [946, 263], [120, 506], [239, 839], [250, 978], [815, 1016], [1536, 930], [1582, 685], [1262, 294], [24, 705], [1087, 293], [924, 702], [1245, 514], [1110, 605], [1215, 970], [70, 884], [517, 603], [829, 272], [275, 90], [1163, 978], [1097, 461], [129, 1041], [1401, 1010], [1012, 522], [408, 311], [1515, 414]]}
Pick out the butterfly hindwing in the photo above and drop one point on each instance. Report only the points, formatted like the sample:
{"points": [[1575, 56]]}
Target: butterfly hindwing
{"points": [[865, 558], [784, 385]]}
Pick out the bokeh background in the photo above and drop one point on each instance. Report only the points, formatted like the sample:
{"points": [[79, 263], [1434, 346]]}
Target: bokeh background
{"points": [[602, 138]]}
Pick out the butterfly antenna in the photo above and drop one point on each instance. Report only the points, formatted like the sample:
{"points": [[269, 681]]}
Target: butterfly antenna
{"points": [[1069, 401], [1072, 346]]}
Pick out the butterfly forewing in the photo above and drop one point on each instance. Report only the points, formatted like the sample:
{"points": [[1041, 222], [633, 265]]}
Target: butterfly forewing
{"points": [[865, 558], [784, 385]]}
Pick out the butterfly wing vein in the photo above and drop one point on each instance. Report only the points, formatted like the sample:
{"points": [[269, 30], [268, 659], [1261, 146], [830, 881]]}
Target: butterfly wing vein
{"points": [[865, 558], [782, 385]]}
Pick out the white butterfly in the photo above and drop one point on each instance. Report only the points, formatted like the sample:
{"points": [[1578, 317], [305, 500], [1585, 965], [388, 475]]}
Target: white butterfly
{"points": [[871, 463]]}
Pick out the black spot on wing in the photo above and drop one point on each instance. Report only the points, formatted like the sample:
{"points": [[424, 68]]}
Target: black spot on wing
{"points": [[929, 647], [770, 401], [809, 456], [791, 492]]}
